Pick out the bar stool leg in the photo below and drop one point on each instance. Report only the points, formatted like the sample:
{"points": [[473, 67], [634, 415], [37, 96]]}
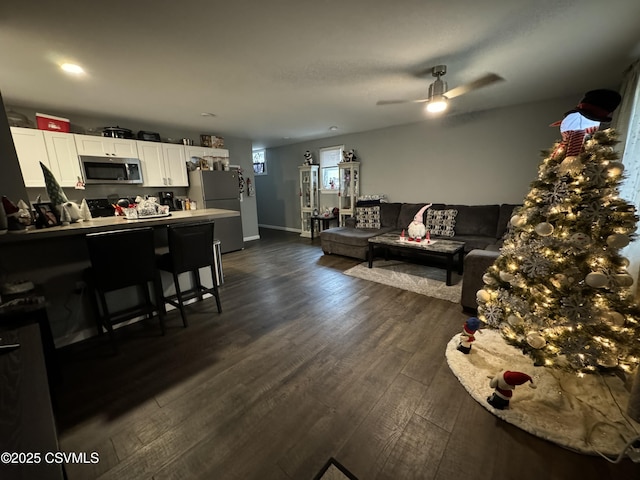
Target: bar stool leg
{"points": [[216, 293], [106, 321], [180, 301], [157, 286], [197, 283]]}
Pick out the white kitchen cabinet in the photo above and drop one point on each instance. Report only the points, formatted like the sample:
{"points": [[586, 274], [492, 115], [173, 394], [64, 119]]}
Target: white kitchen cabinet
{"points": [[163, 164], [31, 150], [57, 150], [175, 162], [63, 158], [109, 146]]}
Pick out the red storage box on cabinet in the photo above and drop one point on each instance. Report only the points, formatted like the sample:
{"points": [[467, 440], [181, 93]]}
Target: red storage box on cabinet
{"points": [[49, 122]]}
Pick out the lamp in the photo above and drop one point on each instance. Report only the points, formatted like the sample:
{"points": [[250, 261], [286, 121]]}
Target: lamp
{"points": [[437, 101]]}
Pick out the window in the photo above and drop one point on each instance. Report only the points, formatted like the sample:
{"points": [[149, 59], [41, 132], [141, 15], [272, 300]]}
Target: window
{"points": [[329, 159], [259, 162]]}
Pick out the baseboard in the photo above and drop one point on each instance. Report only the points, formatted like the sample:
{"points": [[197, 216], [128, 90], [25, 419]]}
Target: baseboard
{"points": [[277, 227], [250, 239]]}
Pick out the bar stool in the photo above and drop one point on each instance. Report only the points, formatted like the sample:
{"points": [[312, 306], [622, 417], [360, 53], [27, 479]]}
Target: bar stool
{"points": [[190, 249], [121, 259]]}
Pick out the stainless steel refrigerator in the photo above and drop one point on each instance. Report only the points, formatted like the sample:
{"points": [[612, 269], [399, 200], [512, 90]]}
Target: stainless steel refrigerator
{"points": [[219, 189]]}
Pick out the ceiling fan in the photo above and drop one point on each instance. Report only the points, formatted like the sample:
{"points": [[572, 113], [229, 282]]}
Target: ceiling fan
{"points": [[439, 94]]}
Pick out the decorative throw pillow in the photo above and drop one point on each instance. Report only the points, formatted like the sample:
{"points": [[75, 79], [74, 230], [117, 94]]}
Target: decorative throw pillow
{"points": [[441, 223], [368, 217]]}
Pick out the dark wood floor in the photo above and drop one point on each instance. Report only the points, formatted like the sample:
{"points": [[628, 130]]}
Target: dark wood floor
{"points": [[304, 363]]}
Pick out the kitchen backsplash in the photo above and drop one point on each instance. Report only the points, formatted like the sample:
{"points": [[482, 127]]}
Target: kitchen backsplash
{"points": [[103, 191]]}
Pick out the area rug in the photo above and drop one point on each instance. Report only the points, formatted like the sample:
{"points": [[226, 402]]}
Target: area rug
{"points": [[334, 470], [422, 279], [584, 414]]}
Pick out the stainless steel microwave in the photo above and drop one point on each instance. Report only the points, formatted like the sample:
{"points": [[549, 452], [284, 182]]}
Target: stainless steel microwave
{"points": [[108, 170]]}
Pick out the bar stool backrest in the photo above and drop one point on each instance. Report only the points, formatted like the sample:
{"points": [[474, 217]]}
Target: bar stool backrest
{"points": [[122, 258], [191, 245]]}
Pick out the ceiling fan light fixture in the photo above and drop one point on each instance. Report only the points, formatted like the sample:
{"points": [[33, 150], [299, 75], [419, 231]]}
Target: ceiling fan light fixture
{"points": [[436, 104]]}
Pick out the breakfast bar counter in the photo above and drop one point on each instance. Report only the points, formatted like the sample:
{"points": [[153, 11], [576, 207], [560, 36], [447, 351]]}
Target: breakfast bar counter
{"points": [[103, 224], [55, 259]]}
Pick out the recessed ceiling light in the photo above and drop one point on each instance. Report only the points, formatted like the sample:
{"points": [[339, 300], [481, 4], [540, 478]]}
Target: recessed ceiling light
{"points": [[207, 114], [333, 128], [72, 68]]}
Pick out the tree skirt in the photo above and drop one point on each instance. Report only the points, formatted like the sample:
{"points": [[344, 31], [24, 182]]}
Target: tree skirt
{"points": [[587, 414]]}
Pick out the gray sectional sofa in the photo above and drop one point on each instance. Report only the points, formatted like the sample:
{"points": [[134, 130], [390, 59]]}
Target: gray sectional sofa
{"points": [[479, 226]]}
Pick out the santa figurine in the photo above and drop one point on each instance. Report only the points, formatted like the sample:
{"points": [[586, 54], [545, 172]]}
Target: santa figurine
{"points": [[416, 228], [467, 337], [504, 384]]}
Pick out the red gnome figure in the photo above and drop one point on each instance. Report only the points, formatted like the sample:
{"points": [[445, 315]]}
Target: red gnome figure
{"points": [[504, 384], [469, 329]]}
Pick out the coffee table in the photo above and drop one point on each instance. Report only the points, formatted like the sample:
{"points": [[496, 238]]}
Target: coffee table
{"points": [[437, 247]]}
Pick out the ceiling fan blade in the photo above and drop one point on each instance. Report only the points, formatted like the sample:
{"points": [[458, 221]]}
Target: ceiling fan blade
{"points": [[394, 102], [474, 85]]}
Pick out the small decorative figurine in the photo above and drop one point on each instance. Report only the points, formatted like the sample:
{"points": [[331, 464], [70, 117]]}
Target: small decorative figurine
{"points": [[416, 228], [504, 384], [467, 337], [308, 158]]}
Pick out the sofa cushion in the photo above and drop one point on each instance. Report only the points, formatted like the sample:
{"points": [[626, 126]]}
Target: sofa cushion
{"points": [[368, 217], [349, 236], [389, 214], [472, 242], [441, 223], [476, 219]]}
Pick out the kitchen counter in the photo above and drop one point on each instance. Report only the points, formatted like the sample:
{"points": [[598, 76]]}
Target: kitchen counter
{"points": [[103, 224]]}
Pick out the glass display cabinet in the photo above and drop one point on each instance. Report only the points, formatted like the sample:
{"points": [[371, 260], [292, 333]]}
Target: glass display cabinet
{"points": [[349, 189], [308, 197]]}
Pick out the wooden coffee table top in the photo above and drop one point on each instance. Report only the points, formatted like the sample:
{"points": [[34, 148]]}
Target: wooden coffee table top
{"points": [[438, 245]]}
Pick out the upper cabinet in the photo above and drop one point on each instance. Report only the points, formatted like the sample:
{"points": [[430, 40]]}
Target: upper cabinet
{"points": [[55, 150], [109, 146], [163, 164], [63, 157], [31, 150]]}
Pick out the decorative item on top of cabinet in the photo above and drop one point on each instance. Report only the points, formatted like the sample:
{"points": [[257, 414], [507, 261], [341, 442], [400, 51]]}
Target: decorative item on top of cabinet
{"points": [[308, 197], [349, 177]]}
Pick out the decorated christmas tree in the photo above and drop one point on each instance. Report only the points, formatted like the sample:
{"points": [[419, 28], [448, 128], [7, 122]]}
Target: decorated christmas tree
{"points": [[560, 288]]}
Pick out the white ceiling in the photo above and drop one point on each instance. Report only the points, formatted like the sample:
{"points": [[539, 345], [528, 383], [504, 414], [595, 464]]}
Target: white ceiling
{"points": [[284, 71]]}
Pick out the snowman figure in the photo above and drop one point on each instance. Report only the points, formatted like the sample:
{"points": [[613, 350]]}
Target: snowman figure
{"points": [[467, 337]]}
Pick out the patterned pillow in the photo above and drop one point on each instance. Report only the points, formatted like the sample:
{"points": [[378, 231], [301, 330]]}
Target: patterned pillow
{"points": [[368, 217], [441, 223]]}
